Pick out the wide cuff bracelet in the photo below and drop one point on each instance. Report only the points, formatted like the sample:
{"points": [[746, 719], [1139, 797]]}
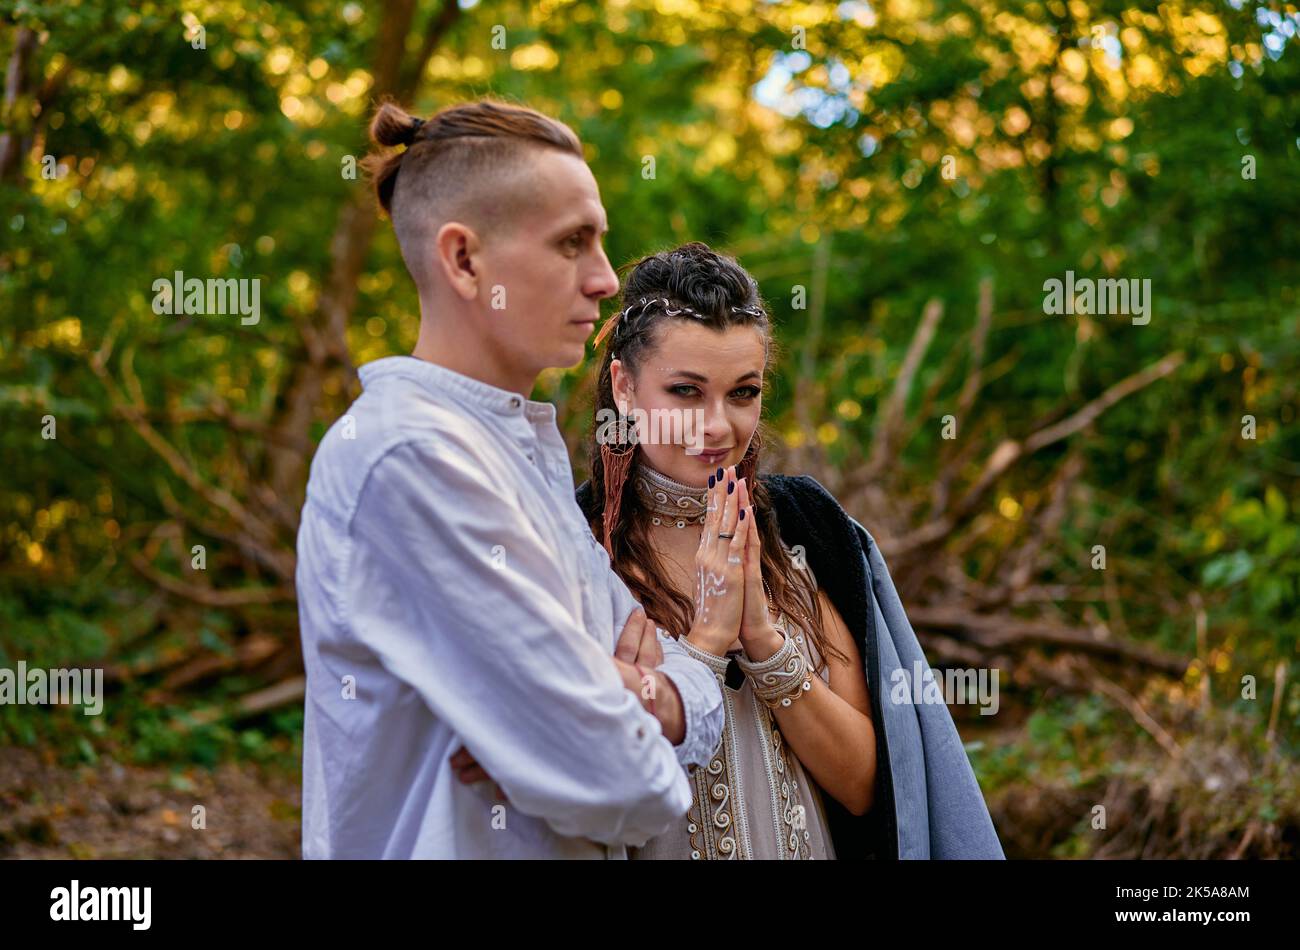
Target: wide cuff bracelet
{"points": [[781, 678]]}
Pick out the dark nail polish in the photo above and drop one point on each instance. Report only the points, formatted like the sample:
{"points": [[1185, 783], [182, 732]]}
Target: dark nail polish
{"points": [[712, 480], [731, 486], [719, 476], [742, 514]]}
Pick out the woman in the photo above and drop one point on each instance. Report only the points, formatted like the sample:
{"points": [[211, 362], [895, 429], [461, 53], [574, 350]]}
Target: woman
{"points": [[804, 768]]}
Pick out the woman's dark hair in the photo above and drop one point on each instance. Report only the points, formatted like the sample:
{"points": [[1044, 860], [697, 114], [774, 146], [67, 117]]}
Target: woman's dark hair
{"points": [[722, 294]]}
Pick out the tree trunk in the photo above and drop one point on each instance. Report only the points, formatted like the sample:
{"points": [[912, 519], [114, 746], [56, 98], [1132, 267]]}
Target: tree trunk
{"points": [[18, 120], [326, 350]]}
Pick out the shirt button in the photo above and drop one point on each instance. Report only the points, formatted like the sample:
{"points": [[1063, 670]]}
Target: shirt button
{"points": [[514, 402]]}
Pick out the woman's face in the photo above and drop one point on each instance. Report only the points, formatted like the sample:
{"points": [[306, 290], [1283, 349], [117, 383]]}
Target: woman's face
{"points": [[699, 396]]}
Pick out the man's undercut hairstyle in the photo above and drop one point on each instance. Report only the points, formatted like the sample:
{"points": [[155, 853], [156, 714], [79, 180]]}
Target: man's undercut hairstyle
{"points": [[467, 163]]}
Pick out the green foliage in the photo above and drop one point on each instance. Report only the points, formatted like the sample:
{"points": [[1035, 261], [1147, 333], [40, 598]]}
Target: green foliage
{"points": [[1122, 161]]}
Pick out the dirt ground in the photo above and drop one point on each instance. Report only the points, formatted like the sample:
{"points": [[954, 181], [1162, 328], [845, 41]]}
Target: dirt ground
{"points": [[110, 810]]}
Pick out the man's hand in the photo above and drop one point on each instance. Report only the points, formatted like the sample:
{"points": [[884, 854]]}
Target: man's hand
{"points": [[637, 656], [469, 771], [638, 645]]}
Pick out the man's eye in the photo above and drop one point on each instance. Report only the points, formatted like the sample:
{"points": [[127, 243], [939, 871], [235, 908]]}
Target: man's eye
{"points": [[573, 242]]}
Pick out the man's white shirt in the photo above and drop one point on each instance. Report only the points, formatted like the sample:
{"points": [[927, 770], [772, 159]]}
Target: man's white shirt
{"points": [[451, 593]]}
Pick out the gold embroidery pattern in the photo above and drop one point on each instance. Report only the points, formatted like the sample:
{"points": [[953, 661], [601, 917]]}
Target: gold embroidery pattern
{"points": [[713, 818], [795, 838], [714, 838], [793, 814]]}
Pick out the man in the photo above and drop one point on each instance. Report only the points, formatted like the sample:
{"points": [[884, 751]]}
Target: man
{"points": [[451, 594]]}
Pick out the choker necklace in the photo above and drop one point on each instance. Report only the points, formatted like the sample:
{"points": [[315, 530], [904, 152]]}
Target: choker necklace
{"points": [[669, 502]]}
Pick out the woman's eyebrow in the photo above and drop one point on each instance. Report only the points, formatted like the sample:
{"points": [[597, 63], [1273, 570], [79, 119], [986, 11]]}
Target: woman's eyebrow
{"points": [[752, 374]]}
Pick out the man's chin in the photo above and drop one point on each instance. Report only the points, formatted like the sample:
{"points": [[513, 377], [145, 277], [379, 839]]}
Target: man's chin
{"points": [[570, 356]]}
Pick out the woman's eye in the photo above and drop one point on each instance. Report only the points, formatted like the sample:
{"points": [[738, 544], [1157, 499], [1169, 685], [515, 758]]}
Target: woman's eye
{"points": [[744, 392]]}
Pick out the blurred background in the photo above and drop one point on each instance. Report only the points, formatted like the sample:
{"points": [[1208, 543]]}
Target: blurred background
{"points": [[1106, 512]]}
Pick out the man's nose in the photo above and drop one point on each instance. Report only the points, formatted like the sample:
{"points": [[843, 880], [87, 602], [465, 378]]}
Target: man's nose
{"points": [[602, 282]]}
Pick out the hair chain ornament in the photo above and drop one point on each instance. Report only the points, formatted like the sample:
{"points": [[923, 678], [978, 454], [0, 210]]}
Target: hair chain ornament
{"points": [[645, 303]]}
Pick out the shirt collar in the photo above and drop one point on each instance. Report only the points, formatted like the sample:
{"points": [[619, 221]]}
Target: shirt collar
{"points": [[465, 389]]}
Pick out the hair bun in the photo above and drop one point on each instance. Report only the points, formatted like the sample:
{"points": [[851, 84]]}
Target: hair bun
{"points": [[393, 125]]}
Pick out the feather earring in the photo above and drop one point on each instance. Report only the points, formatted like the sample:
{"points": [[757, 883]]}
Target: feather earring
{"points": [[617, 465]]}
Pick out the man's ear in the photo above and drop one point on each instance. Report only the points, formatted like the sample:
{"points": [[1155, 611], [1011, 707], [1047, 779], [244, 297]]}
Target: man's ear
{"points": [[456, 250]]}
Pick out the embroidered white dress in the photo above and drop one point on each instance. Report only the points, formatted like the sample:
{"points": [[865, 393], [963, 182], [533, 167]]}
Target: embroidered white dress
{"points": [[754, 800]]}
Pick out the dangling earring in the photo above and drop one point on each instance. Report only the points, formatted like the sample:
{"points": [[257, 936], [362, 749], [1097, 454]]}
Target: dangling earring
{"points": [[616, 467], [747, 466]]}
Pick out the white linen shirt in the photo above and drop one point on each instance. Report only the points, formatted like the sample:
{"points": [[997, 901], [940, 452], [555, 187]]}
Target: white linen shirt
{"points": [[451, 593]]}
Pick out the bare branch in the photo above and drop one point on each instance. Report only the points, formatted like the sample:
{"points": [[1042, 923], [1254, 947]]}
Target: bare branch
{"points": [[218, 497], [999, 631], [974, 377], [1011, 451], [440, 25], [281, 561], [208, 596], [892, 418], [279, 694], [1134, 707]]}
